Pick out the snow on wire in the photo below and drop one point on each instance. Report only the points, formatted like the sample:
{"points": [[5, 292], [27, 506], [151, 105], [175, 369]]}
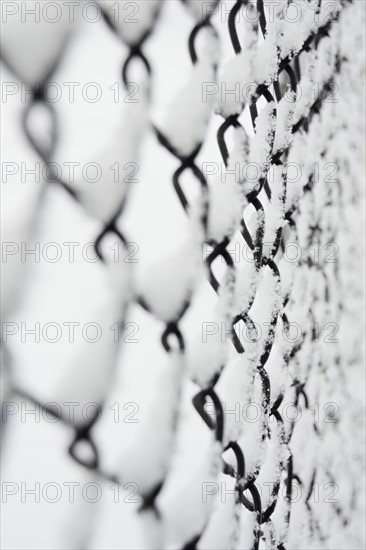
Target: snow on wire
{"points": [[286, 72]]}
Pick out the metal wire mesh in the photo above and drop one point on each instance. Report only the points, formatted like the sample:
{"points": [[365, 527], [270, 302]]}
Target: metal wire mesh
{"points": [[274, 100]]}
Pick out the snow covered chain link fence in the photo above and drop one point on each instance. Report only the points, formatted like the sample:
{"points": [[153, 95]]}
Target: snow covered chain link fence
{"points": [[288, 70]]}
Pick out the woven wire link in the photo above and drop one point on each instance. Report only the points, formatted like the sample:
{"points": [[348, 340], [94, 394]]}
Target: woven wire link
{"points": [[273, 371]]}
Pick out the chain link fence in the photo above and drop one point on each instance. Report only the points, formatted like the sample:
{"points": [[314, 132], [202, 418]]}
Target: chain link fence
{"points": [[183, 244]]}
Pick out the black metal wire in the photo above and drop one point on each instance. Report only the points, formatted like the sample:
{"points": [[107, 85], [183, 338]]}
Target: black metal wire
{"points": [[172, 338]]}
